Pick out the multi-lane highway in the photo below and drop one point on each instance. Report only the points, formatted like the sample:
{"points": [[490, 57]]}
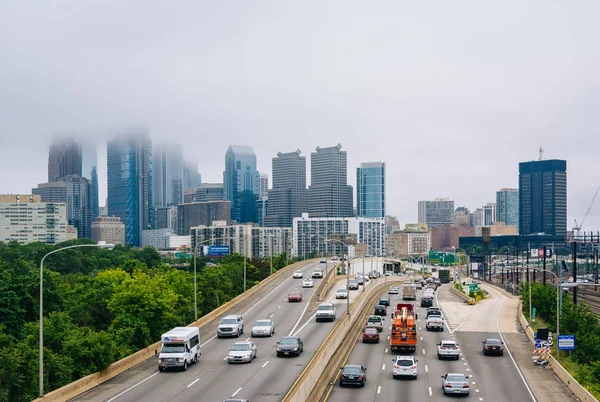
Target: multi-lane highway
{"points": [[267, 378], [492, 379]]}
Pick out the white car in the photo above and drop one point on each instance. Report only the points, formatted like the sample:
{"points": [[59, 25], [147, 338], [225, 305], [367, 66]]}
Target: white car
{"points": [[308, 283], [405, 366], [263, 328], [448, 350], [298, 275], [317, 273], [242, 352], [341, 293], [393, 290], [434, 323]]}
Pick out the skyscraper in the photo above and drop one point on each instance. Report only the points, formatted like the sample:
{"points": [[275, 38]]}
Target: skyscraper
{"points": [[288, 198], [329, 194], [167, 175], [263, 185], [64, 158], [89, 170], [191, 178], [489, 214], [438, 212], [507, 206], [129, 165], [370, 190], [241, 183], [543, 197]]}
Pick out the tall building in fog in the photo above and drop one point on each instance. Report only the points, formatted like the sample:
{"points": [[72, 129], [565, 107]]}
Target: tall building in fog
{"points": [[191, 178], [438, 212], [129, 166], [543, 197], [89, 170], [329, 194], [507, 206], [370, 190], [167, 175], [64, 158], [241, 183], [288, 198]]}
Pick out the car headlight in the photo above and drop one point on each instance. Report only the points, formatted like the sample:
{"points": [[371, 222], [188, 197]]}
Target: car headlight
{"points": [[296, 349], [160, 360], [180, 360]]}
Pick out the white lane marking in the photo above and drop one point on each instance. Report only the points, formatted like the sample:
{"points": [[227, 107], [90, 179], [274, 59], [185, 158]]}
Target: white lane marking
{"points": [[305, 324], [383, 367], [426, 369], [468, 370], [248, 339], [421, 338], [386, 350], [225, 358], [481, 399], [388, 337], [476, 390], [465, 364], [132, 387], [379, 389], [267, 362], [463, 358], [236, 392], [419, 328], [271, 316], [423, 351], [193, 382], [299, 319], [278, 306], [473, 382], [510, 354], [430, 393]]}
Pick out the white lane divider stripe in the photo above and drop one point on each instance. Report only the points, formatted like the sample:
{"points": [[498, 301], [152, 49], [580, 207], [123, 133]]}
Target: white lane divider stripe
{"points": [[225, 358], [264, 365], [299, 319], [193, 382], [305, 324], [423, 351], [426, 369], [130, 388], [379, 389], [430, 393], [383, 367], [236, 392]]}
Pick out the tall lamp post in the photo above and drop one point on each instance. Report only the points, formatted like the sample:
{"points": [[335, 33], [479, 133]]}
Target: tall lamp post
{"points": [[347, 274], [41, 363]]}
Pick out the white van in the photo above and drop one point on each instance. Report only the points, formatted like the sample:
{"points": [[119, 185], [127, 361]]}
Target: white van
{"points": [[180, 348]]}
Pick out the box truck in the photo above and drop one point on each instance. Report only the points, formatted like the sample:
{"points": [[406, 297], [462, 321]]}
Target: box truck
{"points": [[180, 347]]}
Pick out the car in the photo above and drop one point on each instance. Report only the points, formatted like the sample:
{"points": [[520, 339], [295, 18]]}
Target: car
{"points": [[308, 283], [393, 290], [388, 273], [231, 325], [448, 349], [317, 274], [476, 281], [341, 293], [493, 347], [404, 366], [264, 327], [323, 261], [360, 280], [353, 374], [418, 285], [353, 284], [408, 282], [370, 335], [334, 258], [434, 311], [236, 400], [242, 352], [384, 301], [434, 323], [426, 301], [380, 310], [290, 346], [374, 274], [325, 311], [375, 321], [298, 274], [294, 296], [455, 383]]}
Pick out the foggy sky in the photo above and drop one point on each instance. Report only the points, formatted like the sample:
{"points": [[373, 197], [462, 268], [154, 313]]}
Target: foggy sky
{"points": [[452, 95]]}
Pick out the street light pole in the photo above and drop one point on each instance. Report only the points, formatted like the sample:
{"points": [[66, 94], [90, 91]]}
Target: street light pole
{"points": [[271, 252], [41, 362]]}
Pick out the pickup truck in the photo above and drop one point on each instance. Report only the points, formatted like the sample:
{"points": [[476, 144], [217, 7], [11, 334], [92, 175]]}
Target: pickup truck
{"points": [[434, 323], [325, 311]]}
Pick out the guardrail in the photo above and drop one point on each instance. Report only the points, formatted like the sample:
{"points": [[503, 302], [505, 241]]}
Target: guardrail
{"points": [[312, 381], [575, 387], [331, 280], [84, 384]]}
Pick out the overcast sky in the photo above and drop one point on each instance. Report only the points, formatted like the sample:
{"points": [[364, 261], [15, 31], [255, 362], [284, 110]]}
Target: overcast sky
{"points": [[452, 95]]}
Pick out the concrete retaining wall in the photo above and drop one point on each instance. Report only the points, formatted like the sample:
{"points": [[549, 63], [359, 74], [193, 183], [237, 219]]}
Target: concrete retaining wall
{"points": [[577, 389], [459, 294], [86, 383]]}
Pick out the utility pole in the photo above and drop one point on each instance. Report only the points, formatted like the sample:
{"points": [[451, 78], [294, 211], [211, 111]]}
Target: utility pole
{"points": [[527, 255], [575, 272], [544, 262]]}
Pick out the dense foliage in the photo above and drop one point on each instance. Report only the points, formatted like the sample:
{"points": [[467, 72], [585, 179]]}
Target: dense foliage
{"points": [[99, 306], [577, 320]]}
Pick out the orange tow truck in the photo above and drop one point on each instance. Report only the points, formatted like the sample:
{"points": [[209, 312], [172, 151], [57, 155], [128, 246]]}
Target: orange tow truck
{"points": [[404, 329]]}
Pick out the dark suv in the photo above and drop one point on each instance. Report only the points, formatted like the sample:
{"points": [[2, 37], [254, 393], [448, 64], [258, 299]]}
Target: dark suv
{"points": [[384, 301], [380, 310], [433, 311], [426, 302]]}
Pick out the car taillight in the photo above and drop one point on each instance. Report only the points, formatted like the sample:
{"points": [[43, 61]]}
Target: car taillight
{"points": [[448, 386], [413, 367], [455, 348], [360, 377], [466, 386], [396, 366]]}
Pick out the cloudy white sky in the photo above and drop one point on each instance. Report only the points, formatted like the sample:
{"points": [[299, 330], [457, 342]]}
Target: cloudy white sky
{"points": [[452, 95]]}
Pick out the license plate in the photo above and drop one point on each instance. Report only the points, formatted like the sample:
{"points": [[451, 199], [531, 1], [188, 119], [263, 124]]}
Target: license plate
{"points": [[457, 391], [286, 353]]}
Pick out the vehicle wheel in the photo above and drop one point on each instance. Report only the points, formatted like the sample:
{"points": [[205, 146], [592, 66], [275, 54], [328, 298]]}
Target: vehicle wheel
{"points": [[484, 353], [195, 360], [439, 357], [242, 329], [501, 353], [341, 384], [457, 357], [185, 365], [219, 336], [278, 354], [362, 385], [160, 369], [394, 377], [415, 377]]}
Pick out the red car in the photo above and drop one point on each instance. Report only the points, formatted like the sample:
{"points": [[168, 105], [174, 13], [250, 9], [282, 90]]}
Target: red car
{"points": [[295, 296], [370, 335]]}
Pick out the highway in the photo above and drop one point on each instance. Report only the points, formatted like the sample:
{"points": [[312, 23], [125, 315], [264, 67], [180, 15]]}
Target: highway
{"points": [[493, 378], [267, 378]]}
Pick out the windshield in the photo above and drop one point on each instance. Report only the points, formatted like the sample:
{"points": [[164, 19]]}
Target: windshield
{"points": [[374, 319], [404, 362], [448, 345], [341, 290], [173, 348], [493, 342], [240, 347], [229, 320], [263, 323], [288, 341], [324, 307], [456, 378]]}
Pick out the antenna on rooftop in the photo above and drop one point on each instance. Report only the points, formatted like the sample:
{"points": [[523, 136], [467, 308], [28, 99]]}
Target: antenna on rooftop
{"points": [[541, 154]]}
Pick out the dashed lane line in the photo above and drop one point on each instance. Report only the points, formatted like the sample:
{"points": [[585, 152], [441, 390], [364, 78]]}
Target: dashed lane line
{"points": [[193, 382]]}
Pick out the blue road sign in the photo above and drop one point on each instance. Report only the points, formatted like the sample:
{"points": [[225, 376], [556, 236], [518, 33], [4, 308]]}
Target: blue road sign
{"points": [[566, 342]]}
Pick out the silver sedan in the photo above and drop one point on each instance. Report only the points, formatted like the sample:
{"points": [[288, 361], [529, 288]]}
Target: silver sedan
{"points": [[455, 383], [263, 328]]}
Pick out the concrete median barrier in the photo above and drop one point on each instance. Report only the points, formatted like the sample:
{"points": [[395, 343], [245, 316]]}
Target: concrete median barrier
{"points": [[313, 380], [84, 384], [460, 294]]}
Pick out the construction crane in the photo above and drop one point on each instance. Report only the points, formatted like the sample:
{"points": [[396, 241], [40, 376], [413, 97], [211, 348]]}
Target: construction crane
{"points": [[578, 227]]}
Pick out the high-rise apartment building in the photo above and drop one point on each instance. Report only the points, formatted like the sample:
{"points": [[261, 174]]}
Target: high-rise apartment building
{"points": [[478, 217], [507, 206], [129, 166], [209, 192], [489, 214], [263, 185], [370, 190], [108, 229], [288, 198], [438, 212], [329, 194], [543, 197], [64, 158], [241, 183], [167, 175], [461, 217], [76, 193], [165, 218], [26, 219]]}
